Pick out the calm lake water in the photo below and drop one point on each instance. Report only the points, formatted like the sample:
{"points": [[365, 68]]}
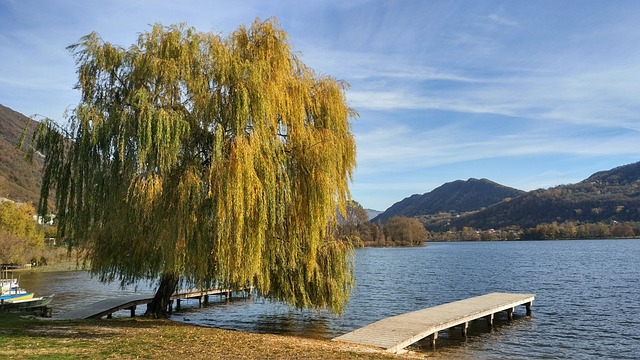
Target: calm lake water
{"points": [[587, 297]]}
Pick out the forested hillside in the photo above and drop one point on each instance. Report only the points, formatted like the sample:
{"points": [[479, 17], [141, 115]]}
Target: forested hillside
{"points": [[605, 196], [457, 196], [19, 179]]}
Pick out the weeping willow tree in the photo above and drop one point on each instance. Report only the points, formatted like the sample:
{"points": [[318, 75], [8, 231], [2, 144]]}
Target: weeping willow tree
{"points": [[205, 160]]}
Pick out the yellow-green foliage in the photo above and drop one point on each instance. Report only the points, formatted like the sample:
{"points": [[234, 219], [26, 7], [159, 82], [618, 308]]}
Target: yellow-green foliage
{"points": [[220, 159], [20, 239]]}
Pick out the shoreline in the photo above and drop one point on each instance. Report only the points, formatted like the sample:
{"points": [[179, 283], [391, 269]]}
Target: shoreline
{"points": [[71, 265]]}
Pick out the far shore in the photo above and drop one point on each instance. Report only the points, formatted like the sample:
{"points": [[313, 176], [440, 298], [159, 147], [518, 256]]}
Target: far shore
{"points": [[70, 265]]}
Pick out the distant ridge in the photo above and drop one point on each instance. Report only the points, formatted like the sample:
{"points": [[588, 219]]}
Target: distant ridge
{"points": [[371, 214], [457, 196], [606, 196], [621, 175]]}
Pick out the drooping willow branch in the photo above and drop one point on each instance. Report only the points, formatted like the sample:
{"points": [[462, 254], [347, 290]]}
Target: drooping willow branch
{"points": [[219, 159]]}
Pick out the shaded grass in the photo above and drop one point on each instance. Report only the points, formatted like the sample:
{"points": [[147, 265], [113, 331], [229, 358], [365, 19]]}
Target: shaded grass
{"points": [[32, 338]]}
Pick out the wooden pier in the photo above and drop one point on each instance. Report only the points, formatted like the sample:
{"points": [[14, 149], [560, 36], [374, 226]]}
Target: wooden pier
{"points": [[109, 306], [397, 332]]}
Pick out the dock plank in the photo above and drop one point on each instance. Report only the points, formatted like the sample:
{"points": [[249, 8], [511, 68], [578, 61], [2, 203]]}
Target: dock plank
{"points": [[111, 305], [105, 307], [397, 332]]}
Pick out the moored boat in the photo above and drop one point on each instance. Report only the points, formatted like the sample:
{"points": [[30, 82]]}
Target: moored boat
{"points": [[11, 290], [25, 304], [8, 284], [14, 298]]}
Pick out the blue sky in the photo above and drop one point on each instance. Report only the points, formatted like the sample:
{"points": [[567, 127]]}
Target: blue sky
{"points": [[530, 94]]}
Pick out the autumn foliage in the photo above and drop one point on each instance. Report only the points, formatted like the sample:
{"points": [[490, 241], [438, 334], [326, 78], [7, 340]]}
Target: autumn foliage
{"points": [[20, 239], [209, 160]]}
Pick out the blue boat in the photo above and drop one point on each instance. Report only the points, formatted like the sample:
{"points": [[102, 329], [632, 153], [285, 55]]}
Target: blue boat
{"points": [[16, 296], [25, 304]]}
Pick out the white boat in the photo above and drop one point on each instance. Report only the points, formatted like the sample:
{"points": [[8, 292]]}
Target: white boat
{"points": [[10, 286], [7, 284], [10, 289]]}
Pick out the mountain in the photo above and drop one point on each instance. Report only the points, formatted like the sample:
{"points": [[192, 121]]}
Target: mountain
{"points": [[19, 179], [620, 176], [605, 196], [458, 196], [372, 213]]}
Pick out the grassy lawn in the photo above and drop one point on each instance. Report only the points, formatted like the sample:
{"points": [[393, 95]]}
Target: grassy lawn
{"points": [[32, 338]]}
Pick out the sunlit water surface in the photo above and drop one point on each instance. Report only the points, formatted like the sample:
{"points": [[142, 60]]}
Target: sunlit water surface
{"points": [[587, 297]]}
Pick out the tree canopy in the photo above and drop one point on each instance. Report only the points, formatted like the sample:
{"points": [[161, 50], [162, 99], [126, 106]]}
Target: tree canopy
{"points": [[220, 160], [20, 239], [404, 230]]}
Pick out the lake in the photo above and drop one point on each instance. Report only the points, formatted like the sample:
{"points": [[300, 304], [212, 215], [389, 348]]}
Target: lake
{"points": [[587, 297]]}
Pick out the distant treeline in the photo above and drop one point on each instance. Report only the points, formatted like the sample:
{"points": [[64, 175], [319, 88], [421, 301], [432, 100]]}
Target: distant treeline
{"points": [[545, 231], [397, 231], [405, 231]]}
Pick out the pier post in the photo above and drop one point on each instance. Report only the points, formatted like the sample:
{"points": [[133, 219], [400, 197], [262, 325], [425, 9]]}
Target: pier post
{"points": [[489, 320], [510, 314], [528, 306], [465, 328], [433, 338], [46, 311], [206, 299], [177, 304], [133, 311], [200, 301]]}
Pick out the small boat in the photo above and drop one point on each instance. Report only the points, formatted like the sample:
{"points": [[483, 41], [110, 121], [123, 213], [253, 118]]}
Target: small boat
{"points": [[8, 284], [25, 304], [14, 298], [11, 290]]}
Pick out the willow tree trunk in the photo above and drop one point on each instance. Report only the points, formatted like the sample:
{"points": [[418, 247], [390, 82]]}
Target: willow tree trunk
{"points": [[159, 306]]}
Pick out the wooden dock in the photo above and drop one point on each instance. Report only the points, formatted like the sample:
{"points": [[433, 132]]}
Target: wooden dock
{"points": [[109, 306], [397, 332]]}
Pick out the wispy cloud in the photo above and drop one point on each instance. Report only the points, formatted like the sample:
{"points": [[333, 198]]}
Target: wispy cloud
{"points": [[604, 98], [401, 148], [500, 20], [445, 89]]}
